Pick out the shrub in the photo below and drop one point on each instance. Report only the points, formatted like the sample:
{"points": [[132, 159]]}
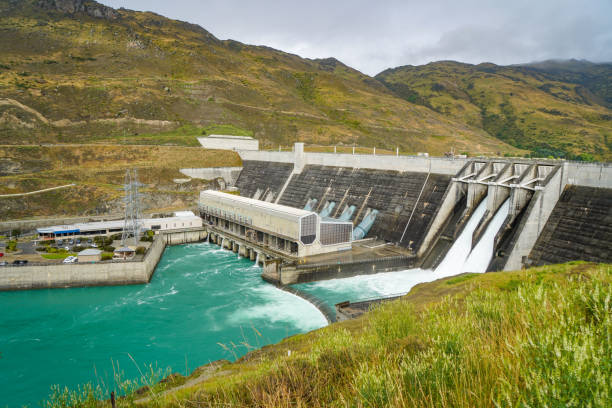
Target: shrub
{"points": [[141, 250], [11, 246], [42, 248], [107, 256], [109, 248]]}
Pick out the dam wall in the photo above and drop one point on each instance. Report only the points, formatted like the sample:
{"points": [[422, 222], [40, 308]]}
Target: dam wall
{"points": [[263, 180], [228, 174], [421, 164], [424, 202], [579, 227], [406, 201]]}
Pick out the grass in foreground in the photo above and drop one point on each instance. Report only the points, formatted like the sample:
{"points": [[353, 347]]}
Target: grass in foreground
{"points": [[540, 337]]}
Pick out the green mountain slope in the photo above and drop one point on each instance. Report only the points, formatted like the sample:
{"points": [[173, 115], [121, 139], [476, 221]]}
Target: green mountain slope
{"points": [[74, 70], [553, 108]]}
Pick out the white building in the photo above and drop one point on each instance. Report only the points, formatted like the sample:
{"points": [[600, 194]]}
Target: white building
{"points": [[181, 220], [293, 231], [227, 142]]}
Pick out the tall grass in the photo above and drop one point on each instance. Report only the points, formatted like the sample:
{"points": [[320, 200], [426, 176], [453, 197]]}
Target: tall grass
{"points": [[530, 339]]}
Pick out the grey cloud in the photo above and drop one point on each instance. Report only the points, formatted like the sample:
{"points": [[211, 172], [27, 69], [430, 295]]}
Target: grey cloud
{"points": [[374, 35]]}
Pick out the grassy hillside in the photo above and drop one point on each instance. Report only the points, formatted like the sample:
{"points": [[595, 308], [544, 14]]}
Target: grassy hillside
{"points": [[540, 337], [98, 172], [75, 77], [551, 109]]}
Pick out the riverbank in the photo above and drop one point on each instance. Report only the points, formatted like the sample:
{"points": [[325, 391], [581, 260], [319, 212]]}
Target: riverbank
{"points": [[104, 273]]}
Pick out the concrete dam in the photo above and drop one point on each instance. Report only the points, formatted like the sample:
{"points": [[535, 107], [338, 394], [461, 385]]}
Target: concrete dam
{"points": [[410, 211]]}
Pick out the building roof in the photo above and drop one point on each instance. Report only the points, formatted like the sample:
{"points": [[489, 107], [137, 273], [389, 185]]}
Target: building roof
{"points": [[258, 204], [125, 249], [116, 224], [184, 214], [228, 137], [90, 251]]}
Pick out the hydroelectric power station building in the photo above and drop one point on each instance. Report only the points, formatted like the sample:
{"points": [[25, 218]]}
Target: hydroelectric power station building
{"points": [[290, 231]]}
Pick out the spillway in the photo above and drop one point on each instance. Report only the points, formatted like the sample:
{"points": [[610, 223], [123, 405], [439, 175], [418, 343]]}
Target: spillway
{"points": [[481, 255], [461, 248]]}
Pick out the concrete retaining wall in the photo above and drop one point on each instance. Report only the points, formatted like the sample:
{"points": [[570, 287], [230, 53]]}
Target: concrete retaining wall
{"points": [[106, 273], [229, 174], [185, 237], [290, 275], [588, 174], [439, 165]]}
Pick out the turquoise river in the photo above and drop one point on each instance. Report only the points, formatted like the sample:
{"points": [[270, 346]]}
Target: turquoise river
{"points": [[203, 304]]}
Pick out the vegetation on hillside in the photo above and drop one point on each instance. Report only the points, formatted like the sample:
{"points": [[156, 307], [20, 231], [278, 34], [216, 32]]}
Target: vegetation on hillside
{"points": [[551, 109], [98, 172], [73, 77], [540, 337]]}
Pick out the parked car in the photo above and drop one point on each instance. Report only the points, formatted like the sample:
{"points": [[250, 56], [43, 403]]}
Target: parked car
{"points": [[89, 241], [94, 245], [19, 262], [70, 259], [67, 248], [3, 263], [78, 240], [71, 242]]}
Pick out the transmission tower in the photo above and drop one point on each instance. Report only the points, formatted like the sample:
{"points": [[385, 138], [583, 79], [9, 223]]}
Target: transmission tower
{"points": [[131, 222]]}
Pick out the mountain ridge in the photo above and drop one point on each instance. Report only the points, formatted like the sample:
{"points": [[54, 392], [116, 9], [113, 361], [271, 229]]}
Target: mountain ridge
{"points": [[83, 64]]}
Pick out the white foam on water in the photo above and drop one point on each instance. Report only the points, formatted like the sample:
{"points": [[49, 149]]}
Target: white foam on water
{"points": [[481, 255], [459, 251], [279, 306]]}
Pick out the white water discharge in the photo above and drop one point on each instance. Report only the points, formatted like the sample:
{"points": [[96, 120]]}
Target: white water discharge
{"points": [[481, 255], [460, 250]]}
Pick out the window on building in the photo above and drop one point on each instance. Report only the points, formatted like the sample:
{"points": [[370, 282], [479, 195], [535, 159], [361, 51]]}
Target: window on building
{"points": [[308, 229]]}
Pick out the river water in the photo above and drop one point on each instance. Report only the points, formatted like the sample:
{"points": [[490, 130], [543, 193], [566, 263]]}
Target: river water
{"points": [[203, 304], [200, 296]]}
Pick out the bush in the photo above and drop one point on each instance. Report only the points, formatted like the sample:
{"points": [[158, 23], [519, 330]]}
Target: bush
{"points": [[146, 239], [78, 248], [108, 248], [107, 256], [141, 250], [11, 246], [42, 248]]}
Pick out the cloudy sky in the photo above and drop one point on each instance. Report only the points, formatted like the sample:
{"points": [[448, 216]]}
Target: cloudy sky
{"points": [[374, 35]]}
